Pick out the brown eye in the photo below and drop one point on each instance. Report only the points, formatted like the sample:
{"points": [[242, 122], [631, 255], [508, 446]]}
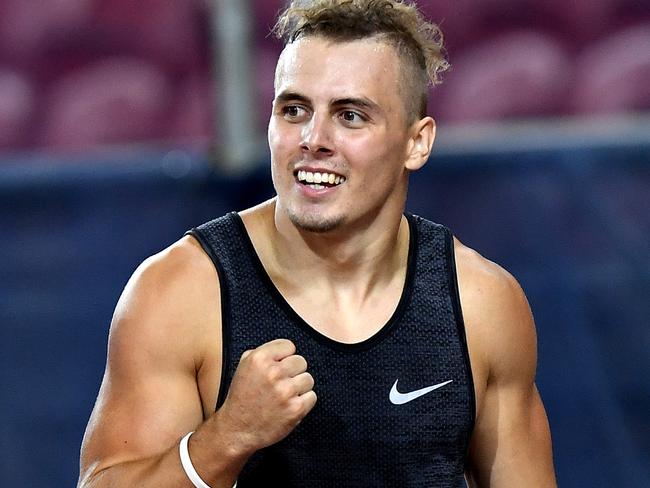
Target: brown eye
{"points": [[293, 111], [351, 117]]}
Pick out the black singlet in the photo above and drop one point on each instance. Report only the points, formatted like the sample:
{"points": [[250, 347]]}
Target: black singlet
{"points": [[358, 434]]}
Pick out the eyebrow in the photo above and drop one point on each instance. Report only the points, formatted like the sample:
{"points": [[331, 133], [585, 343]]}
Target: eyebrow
{"points": [[361, 102], [290, 97]]}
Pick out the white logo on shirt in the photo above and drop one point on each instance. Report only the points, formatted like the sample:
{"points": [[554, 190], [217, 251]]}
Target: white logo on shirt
{"points": [[397, 398]]}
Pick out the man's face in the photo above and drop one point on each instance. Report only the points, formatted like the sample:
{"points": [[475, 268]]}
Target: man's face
{"points": [[338, 133]]}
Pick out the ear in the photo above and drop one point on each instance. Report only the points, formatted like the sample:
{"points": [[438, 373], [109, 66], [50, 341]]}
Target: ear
{"points": [[423, 133]]}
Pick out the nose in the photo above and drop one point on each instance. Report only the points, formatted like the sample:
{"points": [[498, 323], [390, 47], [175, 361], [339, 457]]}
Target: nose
{"points": [[316, 136]]}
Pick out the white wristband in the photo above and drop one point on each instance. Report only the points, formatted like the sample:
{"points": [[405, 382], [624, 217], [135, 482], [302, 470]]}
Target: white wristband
{"points": [[187, 463]]}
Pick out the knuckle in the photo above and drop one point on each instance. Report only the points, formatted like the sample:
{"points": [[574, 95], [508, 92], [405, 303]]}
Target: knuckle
{"points": [[258, 357], [284, 391], [295, 408], [272, 374]]}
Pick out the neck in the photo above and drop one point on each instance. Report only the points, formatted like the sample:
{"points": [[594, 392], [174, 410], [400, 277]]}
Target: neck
{"points": [[361, 255]]}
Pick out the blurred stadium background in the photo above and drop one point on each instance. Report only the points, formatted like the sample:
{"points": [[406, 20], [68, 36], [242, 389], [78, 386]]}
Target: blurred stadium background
{"points": [[123, 123]]}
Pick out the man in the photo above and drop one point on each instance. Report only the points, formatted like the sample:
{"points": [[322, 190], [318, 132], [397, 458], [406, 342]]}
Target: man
{"points": [[421, 352]]}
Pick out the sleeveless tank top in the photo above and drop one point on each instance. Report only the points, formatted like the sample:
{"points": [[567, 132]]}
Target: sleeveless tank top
{"points": [[395, 410]]}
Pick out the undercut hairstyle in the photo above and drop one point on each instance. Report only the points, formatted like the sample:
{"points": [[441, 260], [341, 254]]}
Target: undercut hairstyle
{"points": [[418, 42]]}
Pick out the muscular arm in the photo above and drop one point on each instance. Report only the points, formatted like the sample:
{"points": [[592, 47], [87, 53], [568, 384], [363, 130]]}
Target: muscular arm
{"points": [[150, 395], [162, 378], [511, 443]]}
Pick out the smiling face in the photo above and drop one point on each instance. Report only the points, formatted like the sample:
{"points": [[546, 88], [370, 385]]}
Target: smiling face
{"points": [[341, 145]]}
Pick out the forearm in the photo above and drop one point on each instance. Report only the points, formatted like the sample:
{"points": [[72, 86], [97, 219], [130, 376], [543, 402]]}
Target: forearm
{"points": [[216, 459]]}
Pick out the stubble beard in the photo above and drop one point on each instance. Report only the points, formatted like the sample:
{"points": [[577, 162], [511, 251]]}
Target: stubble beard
{"points": [[314, 223]]}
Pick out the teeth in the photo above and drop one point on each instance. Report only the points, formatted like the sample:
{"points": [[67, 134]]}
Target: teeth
{"points": [[317, 178]]}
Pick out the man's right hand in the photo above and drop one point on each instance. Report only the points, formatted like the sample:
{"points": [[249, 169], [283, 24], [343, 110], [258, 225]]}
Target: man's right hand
{"points": [[270, 393], [162, 376]]}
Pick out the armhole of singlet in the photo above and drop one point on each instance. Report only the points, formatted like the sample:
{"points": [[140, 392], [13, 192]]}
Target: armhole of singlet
{"points": [[460, 323], [225, 312]]}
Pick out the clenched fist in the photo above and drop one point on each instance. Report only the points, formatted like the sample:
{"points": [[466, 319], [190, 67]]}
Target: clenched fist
{"points": [[270, 393]]}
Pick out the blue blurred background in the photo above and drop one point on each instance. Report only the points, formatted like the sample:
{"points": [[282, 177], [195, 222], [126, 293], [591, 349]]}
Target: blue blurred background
{"points": [[115, 139]]}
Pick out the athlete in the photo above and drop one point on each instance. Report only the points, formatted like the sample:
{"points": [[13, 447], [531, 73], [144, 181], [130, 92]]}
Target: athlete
{"points": [[326, 338]]}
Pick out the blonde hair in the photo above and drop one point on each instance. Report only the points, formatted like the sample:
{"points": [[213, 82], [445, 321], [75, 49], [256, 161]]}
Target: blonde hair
{"points": [[418, 42]]}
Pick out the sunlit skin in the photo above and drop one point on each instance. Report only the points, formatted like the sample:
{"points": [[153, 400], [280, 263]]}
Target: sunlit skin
{"points": [[339, 108]]}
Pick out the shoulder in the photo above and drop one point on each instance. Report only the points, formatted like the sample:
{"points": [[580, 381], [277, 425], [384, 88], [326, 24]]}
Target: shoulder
{"points": [[181, 269], [169, 304], [163, 340], [511, 440], [498, 320], [485, 282]]}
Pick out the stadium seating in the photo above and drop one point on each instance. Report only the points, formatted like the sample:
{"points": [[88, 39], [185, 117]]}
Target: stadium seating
{"points": [[191, 123], [517, 74], [265, 14], [167, 32], [113, 100], [26, 27], [510, 59], [17, 105], [614, 74]]}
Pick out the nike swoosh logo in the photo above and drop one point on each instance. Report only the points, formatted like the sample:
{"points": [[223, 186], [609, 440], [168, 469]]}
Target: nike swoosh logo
{"points": [[397, 398]]}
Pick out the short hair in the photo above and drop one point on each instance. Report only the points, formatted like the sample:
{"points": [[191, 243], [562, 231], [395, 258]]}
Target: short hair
{"points": [[418, 42]]}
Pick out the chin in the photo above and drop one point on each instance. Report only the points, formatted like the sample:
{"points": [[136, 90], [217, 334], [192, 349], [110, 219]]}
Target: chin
{"points": [[315, 223]]}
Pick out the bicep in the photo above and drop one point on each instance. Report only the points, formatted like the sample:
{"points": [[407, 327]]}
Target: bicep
{"points": [[140, 413], [149, 395], [143, 407], [511, 442]]}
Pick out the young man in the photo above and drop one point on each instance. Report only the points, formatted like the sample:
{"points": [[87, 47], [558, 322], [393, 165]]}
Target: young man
{"points": [[422, 353]]}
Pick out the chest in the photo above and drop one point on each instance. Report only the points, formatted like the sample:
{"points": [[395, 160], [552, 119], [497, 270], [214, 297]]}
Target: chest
{"points": [[346, 310], [412, 372], [396, 404], [343, 318]]}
